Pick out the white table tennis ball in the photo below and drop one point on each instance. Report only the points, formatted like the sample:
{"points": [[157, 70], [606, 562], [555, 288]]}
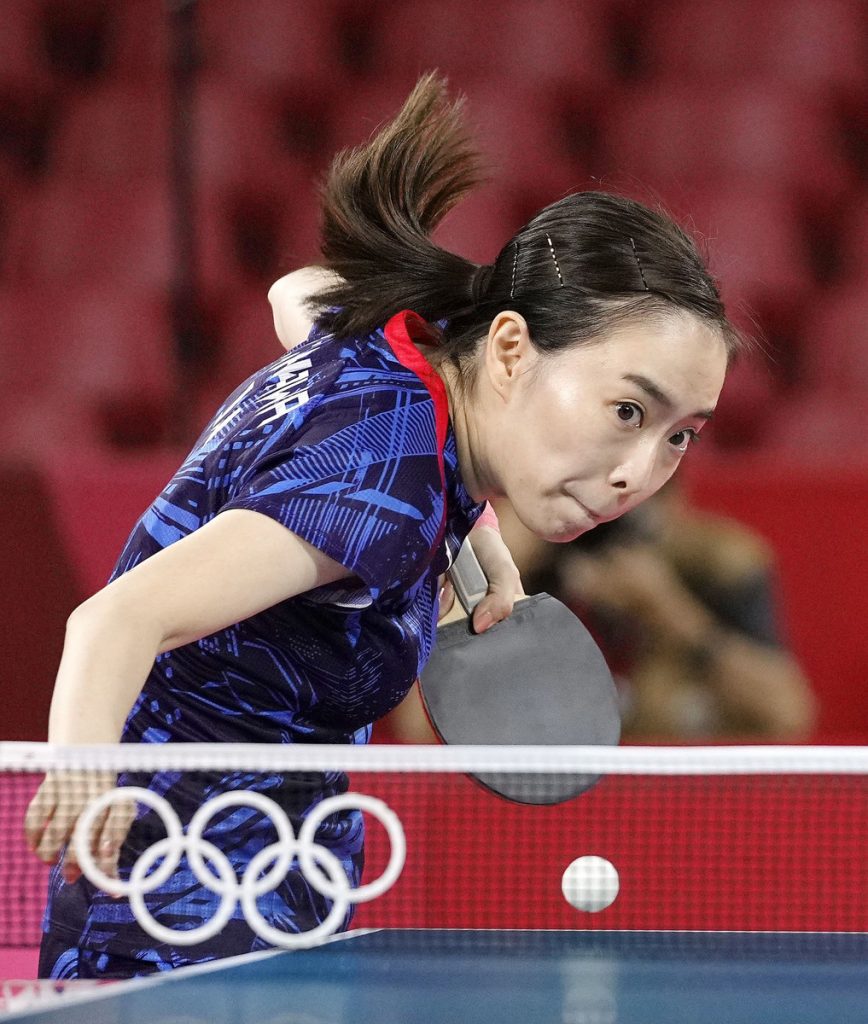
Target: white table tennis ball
{"points": [[590, 883]]}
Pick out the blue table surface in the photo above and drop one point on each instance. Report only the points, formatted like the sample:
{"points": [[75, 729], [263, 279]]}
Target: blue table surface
{"points": [[483, 977]]}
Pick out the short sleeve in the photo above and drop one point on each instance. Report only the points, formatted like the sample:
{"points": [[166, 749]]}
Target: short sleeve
{"points": [[361, 480]]}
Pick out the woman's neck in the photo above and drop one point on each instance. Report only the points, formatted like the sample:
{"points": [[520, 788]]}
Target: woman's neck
{"points": [[468, 438]]}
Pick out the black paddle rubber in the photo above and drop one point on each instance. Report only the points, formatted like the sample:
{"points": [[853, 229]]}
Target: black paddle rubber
{"points": [[536, 678]]}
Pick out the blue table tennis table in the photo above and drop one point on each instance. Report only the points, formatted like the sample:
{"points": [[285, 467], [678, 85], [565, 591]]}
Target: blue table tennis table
{"points": [[492, 977]]}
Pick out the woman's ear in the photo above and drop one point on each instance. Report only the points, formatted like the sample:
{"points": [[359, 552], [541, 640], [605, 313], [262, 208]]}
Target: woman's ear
{"points": [[509, 352]]}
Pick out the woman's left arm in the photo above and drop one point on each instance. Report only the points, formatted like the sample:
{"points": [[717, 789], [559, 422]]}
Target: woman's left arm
{"points": [[288, 297]]}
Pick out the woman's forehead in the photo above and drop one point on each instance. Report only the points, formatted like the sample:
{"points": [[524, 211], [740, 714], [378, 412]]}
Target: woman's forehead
{"points": [[679, 358]]}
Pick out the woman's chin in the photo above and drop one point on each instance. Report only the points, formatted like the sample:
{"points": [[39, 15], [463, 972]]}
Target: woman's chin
{"points": [[567, 532], [551, 529]]}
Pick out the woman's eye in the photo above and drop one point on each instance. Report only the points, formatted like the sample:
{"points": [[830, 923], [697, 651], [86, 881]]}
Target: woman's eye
{"points": [[629, 412], [681, 441]]}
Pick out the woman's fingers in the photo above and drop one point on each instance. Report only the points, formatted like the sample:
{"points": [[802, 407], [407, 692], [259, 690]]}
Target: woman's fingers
{"points": [[447, 598], [56, 834], [48, 821], [494, 607], [54, 812], [78, 803], [504, 588], [110, 838], [39, 814]]}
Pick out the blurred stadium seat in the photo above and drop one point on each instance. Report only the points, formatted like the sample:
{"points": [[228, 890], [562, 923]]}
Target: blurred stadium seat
{"points": [[808, 44], [138, 41], [247, 340], [72, 340], [301, 119], [483, 224], [70, 231], [816, 44], [357, 113], [250, 232], [816, 428], [22, 59], [833, 343], [526, 122], [268, 42], [754, 240], [27, 117], [680, 131], [117, 130], [746, 406], [510, 41], [26, 108], [73, 38], [852, 256], [84, 365], [235, 135]]}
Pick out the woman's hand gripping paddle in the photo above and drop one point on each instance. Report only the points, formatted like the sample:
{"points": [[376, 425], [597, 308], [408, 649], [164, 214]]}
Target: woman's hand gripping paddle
{"points": [[537, 677]]}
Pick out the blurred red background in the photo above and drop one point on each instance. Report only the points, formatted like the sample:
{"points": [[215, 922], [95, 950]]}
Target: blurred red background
{"points": [[744, 120]]}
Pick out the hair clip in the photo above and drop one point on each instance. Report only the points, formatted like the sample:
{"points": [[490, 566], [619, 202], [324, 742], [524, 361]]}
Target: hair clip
{"points": [[639, 265], [514, 267], [554, 257]]}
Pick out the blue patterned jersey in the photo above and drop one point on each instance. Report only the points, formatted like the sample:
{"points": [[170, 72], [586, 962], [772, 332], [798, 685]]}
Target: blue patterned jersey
{"points": [[337, 440], [347, 443]]}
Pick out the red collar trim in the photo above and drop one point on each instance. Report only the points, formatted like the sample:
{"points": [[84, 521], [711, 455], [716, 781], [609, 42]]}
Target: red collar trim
{"points": [[404, 332]]}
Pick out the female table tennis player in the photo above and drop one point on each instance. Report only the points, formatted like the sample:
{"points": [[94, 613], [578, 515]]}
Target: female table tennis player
{"points": [[284, 586]]}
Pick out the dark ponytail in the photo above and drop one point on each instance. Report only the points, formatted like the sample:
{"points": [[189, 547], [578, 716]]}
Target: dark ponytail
{"points": [[580, 268], [381, 202]]}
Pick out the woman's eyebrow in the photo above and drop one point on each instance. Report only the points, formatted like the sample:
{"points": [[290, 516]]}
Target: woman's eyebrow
{"points": [[653, 390], [650, 388]]}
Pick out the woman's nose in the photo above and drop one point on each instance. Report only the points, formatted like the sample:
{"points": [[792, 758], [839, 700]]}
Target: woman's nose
{"points": [[635, 474]]}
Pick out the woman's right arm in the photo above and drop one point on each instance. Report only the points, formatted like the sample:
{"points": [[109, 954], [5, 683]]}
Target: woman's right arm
{"points": [[240, 563]]}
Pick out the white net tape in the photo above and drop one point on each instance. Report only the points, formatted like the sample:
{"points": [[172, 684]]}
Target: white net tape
{"points": [[735, 760]]}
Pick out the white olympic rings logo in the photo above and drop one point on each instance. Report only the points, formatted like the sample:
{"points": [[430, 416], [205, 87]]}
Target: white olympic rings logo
{"points": [[319, 866]]}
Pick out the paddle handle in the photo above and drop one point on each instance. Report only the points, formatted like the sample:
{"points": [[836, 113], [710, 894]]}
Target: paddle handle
{"points": [[468, 579]]}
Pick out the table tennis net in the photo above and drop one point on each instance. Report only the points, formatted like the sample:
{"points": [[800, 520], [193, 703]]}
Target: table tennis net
{"points": [[731, 839]]}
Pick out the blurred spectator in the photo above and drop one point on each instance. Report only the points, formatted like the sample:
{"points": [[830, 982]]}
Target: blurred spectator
{"points": [[683, 604]]}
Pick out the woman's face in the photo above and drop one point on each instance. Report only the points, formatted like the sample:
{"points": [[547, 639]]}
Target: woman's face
{"points": [[583, 435]]}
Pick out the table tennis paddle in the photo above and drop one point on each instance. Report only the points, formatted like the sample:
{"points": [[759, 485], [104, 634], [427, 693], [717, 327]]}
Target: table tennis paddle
{"points": [[537, 677]]}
